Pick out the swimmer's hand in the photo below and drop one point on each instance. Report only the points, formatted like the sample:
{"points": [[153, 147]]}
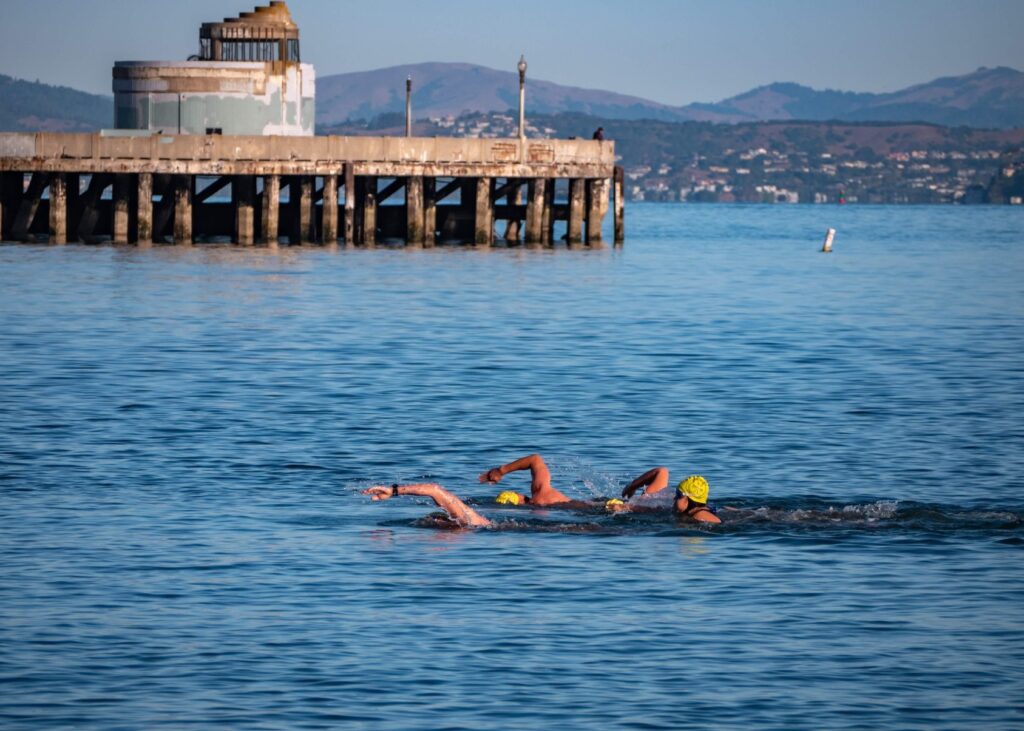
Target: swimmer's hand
{"points": [[492, 476], [379, 492]]}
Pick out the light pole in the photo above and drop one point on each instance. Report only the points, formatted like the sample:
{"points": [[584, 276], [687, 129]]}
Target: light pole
{"points": [[522, 97], [408, 106]]}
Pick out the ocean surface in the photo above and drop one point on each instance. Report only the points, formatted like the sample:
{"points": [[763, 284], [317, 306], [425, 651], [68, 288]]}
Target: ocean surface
{"points": [[184, 434]]}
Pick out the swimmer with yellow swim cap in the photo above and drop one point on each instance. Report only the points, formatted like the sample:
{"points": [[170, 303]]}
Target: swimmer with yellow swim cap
{"points": [[542, 494], [690, 499]]}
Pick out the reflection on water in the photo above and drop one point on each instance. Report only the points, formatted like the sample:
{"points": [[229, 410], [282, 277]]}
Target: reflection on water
{"points": [[183, 432]]}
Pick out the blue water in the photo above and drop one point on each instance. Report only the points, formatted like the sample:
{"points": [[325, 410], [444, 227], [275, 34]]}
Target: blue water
{"points": [[184, 434]]}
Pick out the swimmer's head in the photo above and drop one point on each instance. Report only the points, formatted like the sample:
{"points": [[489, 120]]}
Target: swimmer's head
{"points": [[614, 504], [509, 498], [693, 488]]}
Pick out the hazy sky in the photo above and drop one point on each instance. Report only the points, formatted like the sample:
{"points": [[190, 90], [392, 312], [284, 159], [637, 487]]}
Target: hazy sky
{"points": [[670, 51]]}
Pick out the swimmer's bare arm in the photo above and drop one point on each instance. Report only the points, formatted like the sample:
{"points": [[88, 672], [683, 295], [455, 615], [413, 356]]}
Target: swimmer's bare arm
{"points": [[532, 462], [654, 480], [542, 491], [458, 510]]}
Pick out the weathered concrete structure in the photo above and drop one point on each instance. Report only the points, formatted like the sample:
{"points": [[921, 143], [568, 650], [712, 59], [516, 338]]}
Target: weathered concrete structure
{"points": [[220, 148], [366, 190], [247, 79]]}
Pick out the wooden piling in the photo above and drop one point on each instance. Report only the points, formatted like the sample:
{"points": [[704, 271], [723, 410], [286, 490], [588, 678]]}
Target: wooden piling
{"points": [[350, 204], [620, 204], [120, 208], [183, 210], [536, 193], [577, 192], [58, 209], [429, 212], [144, 214], [369, 208], [414, 215], [547, 218], [513, 200], [244, 193], [484, 219], [302, 196], [597, 193], [271, 210], [330, 211]]}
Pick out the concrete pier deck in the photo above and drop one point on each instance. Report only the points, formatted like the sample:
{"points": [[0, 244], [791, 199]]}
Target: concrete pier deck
{"points": [[306, 190]]}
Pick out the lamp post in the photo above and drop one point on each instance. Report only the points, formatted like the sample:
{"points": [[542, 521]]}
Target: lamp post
{"points": [[522, 97], [408, 106]]}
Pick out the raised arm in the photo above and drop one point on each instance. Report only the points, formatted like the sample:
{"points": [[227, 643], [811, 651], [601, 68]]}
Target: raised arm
{"points": [[532, 462], [540, 487], [456, 509], [654, 480]]}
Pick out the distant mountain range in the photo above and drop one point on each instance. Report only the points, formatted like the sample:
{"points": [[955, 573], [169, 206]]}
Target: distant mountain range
{"points": [[987, 98], [984, 98]]}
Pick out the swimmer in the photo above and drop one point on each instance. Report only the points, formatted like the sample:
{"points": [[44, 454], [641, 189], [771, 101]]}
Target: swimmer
{"points": [[690, 499], [463, 515], [542, 494]]}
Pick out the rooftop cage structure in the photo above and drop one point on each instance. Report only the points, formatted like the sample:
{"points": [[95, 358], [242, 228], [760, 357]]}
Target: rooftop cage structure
{"points": [[268, 33]]}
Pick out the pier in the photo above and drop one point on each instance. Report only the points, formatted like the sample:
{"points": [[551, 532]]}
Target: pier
{"points": [[271, 190]]}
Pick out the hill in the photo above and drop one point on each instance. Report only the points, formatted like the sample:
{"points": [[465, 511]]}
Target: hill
{"points": [[986, 98], [27, 106], [991, 98], [451, 89]]}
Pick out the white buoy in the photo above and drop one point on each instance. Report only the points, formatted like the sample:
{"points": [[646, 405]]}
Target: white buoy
{"points": [[830, 236]]}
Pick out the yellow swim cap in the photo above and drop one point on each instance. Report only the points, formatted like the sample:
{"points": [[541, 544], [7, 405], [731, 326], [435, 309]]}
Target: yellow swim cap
{"points": [[694, 487], [614, 501], [508, 498]]}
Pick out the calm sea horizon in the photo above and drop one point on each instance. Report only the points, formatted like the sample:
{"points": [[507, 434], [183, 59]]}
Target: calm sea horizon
{"points": [[184, 434]]}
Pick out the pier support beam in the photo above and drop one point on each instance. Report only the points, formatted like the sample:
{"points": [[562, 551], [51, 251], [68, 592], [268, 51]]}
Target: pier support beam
{"points": [[243, 188], [536, 196], [330, 210], [350, 204], [576, 201], [620, 204], [121, 205], [5, 204], [547, 218], [29, 206], [514, 199], [484, 225], [58, 208], [429, 212], [91, 207], [271, 210], [370, 211], [597, 203], [144, 234], [183, 210], [163, 212], [300, 194], [414, 217]]}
